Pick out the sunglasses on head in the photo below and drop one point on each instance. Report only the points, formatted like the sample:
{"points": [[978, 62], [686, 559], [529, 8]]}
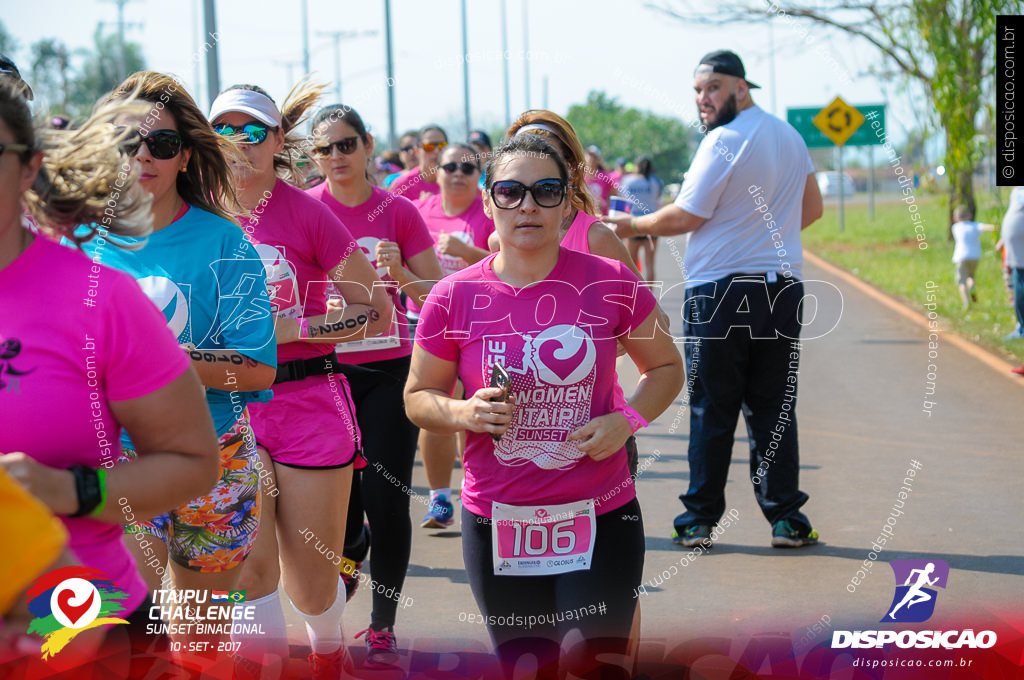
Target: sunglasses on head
{"points": [[430, 146], [547, 193], [345, 145], [255, 133], [162, 144], [466, 168]]}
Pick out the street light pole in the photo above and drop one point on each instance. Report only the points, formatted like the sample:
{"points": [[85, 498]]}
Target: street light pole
{"points": [[504, 63], [465, 69], [336, 37], [212, 60], [305, 36], [392, 138], [526, 53]]}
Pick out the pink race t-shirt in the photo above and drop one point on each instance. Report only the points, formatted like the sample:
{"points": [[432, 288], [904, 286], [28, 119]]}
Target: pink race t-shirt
{"points": [[382, 217], [472, 226], [578, 236], [557, 340], [300, 241], [75, 336], [414, 187]]}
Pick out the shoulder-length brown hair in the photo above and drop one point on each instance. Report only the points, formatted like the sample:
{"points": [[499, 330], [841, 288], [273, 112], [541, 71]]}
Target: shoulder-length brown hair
{"points": [[208, 181], [574, 159]]}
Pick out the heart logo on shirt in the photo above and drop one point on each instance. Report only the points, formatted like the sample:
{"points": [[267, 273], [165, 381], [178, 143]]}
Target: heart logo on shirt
{"points": [[565, 355]]}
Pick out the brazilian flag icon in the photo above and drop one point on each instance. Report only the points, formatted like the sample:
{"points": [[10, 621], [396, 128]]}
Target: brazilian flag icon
{"points": [[237, 595]]}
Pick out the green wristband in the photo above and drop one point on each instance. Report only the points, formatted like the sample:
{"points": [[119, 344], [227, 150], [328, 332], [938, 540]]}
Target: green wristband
{"points": [[101, 474]]}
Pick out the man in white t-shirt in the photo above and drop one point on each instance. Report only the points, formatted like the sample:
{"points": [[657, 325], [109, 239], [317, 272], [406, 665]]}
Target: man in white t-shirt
{"points": [[749, 192]]}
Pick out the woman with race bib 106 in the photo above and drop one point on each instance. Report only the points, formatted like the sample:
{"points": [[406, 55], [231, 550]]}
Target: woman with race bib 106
{"points": [[551, 526]]}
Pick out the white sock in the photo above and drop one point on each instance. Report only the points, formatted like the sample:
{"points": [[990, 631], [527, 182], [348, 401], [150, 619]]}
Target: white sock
{"points": [[325, 629], [274, 639], [446, 492]]}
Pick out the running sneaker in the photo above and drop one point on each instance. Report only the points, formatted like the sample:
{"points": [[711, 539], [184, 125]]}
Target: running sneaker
{"points": [[785, 534], [693, 535], [331, 666], [381, 648], [440, 516], [350, 576], [1019, 370]]}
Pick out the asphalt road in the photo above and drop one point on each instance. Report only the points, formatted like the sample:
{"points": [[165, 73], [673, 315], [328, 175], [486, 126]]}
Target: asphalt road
{"points": [[862, 424]]}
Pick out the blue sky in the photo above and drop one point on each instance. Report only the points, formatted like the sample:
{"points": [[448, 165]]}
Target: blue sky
{"points": [[636, 54]]}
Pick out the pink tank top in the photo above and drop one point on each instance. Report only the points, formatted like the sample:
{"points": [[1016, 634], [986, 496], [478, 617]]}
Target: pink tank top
{"points": [[576, 238]]}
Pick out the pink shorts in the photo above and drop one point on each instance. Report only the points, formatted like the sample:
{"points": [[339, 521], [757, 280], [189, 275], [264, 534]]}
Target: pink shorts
{"points": [[310, 423]]}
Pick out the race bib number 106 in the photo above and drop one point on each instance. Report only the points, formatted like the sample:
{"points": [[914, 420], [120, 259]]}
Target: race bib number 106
{"points": [[540, 540]]}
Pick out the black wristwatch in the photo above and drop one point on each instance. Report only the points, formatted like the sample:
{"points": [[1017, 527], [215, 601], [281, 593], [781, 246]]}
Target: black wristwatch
{"points": [[89, 489]]}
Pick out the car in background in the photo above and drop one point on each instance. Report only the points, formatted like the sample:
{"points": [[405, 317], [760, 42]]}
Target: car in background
{"points": [[828, 183]]}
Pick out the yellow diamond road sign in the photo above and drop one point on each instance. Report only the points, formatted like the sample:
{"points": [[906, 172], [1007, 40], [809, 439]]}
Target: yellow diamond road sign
{"points": [[838, 121]]}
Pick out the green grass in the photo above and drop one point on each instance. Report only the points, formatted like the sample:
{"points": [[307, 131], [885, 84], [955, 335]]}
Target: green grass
{"points": [[885, 253]]}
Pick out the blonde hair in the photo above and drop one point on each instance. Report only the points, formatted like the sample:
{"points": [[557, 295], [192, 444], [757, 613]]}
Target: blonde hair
{"points": [[208, 182], [582, 199], [83, 178], [295, 109]]}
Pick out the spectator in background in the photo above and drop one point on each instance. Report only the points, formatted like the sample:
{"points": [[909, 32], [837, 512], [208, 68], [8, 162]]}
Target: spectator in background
{"points": [[8, 71], [407, 146], [481, 142], [967, 252], [1011, 237], [420, 181], [643, 190], [619, 172], [598, 180]]}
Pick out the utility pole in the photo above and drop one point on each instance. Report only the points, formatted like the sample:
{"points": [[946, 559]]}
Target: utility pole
{"points": [[390, 81], [305, 36], [526, 54], [121, 25], [504, 63], [212, 60], [336, 37], [465, 69], [545, 92]]}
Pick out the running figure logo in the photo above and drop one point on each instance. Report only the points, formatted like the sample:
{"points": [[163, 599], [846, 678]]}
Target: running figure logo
{"points": [[914, 601]]}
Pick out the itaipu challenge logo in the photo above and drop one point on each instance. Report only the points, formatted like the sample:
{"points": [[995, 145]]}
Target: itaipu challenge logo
{"points": [[70, 600], [914, 601]]}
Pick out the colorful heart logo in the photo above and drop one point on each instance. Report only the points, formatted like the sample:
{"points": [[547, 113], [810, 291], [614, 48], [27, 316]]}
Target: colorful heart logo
{"points": [[74, 612]]}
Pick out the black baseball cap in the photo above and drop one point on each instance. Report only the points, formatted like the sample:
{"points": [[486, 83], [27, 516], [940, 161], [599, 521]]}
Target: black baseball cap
{"points": [[7, 68], [725, 62], [480, 137]]}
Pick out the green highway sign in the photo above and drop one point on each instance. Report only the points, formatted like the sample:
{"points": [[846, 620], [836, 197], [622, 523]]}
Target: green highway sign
{"points": [[865, 135]]}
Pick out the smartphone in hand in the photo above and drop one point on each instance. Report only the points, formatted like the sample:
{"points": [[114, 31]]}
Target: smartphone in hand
{"points": [[500, 378]]}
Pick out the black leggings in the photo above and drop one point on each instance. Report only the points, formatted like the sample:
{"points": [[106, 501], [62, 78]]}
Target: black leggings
{"points": [[616, 571], [389, 445]]}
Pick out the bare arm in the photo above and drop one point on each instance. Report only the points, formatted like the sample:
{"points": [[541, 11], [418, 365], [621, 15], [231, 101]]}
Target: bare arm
{"points": [[661, 378], [669, 220], [812, 208], [369, 311], [177, 445], [423, 272], [227, 370]]}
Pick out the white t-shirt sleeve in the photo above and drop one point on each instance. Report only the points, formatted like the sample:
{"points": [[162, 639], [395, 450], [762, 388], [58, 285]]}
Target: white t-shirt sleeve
{"points": [[808, 163], [707, 177]]}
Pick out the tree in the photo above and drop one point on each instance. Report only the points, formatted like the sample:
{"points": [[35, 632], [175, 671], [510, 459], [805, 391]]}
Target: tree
{"points": [[943, 46], [101, 71], [8, 45], [629, 132], [51, 65]]}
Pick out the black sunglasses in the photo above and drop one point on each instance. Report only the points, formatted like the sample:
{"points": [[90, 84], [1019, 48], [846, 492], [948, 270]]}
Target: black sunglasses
{"points": [[162, 144], [255, 133], [407, 149], [345, 145], [466, 168], [547, 193]]}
